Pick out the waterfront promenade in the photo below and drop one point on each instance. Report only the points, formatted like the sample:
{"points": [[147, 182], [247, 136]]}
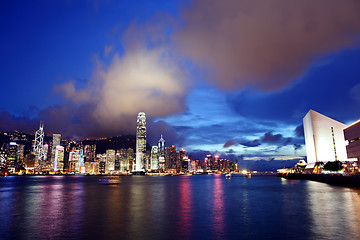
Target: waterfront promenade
{"points": [[334, 179]]}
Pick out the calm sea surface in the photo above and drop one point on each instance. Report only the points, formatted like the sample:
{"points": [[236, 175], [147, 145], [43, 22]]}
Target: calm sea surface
{"points": [[181, 207]]}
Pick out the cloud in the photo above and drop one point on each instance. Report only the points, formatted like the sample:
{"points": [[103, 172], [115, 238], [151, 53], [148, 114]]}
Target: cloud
{"points": [[145, 77], [269, 137], [299, 131], [264, 44], [246, 143], [230, 143]]}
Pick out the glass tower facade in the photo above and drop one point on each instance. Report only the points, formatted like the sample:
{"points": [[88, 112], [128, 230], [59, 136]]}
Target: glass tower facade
{"points": [[140, 142]]}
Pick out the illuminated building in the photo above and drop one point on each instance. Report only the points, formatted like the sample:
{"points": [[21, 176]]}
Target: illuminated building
{"points": [[39, 145], [59, 158], [161, 146], [186, 164], [89, 152], [141, 142], [30, 162], [20, 154], [126, 159], [170, 157], [110, 160], [55, 142], [324, 139], [74, 161], [117, 162], [92, 167], [154, 158], [352, 135], [162, 163], [2, 159], [11, 157]]}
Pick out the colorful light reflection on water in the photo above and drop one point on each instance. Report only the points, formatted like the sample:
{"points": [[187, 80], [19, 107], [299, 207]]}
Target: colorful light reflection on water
{"points": [[183, 207]]}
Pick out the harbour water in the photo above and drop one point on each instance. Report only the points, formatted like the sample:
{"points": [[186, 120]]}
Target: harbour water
{"points": [[178, 207]]}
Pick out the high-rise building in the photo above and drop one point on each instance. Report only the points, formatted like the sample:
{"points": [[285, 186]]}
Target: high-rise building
{"points": [[55, 142], [74, 160], [110, 160], [324, 139], [154, 158], [39, 146], [89, 152], [59, 158], [11, 159], [161, 146], [171, 157], [141, 142]]}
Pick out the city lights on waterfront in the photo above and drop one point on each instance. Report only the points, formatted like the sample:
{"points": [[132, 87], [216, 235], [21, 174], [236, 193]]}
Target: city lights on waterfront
{"points": [[77, 157]]}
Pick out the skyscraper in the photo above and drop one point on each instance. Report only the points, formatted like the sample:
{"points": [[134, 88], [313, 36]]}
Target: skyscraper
{"points": [[39, 146], [55, 142], [154, 158], [110, 160], [140, 142], [161, 146], [59, 158]]}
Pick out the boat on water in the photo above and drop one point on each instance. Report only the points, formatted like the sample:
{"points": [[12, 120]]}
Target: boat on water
{"points": [[228, 175], [109, 180], [248, 175]]}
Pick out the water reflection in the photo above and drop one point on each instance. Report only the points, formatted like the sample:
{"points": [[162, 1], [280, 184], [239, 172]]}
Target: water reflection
{"points": [[335, 211], [218, 208], [185, 209]]}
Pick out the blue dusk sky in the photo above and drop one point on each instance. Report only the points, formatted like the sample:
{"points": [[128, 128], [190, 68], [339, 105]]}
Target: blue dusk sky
{"points": [[232, 77]]}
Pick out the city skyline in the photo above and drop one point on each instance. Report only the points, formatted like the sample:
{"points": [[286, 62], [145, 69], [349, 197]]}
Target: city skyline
{"points": [[235, 81]]}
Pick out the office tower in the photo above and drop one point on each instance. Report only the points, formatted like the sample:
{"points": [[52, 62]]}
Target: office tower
{"points": [[185, 165], [89, 152], [154, 158], [141, 142], [20, 154], [55, 142], [170, 157], [324, 139], [59, 158], [39, 145], [161, 146], [110, 160], [118, 162], [74, 160], [162, 163], [2, 158], [11, 157]]}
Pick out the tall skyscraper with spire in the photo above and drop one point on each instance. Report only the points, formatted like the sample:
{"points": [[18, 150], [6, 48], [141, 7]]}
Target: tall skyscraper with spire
{"points": [[140, 142], [161, 146], [39, 147]]}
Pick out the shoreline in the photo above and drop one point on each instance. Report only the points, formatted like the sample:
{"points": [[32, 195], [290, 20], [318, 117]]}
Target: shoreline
{"points": [[332, 179]]}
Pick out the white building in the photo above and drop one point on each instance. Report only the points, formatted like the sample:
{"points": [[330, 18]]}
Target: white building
{"points": [[324, 139]]}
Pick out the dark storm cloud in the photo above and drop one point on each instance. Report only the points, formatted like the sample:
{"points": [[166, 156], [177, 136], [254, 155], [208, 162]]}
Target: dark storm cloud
{"points": [[329, 88], [245, 143], [231, 142], [269, 137], [263, 43]]}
